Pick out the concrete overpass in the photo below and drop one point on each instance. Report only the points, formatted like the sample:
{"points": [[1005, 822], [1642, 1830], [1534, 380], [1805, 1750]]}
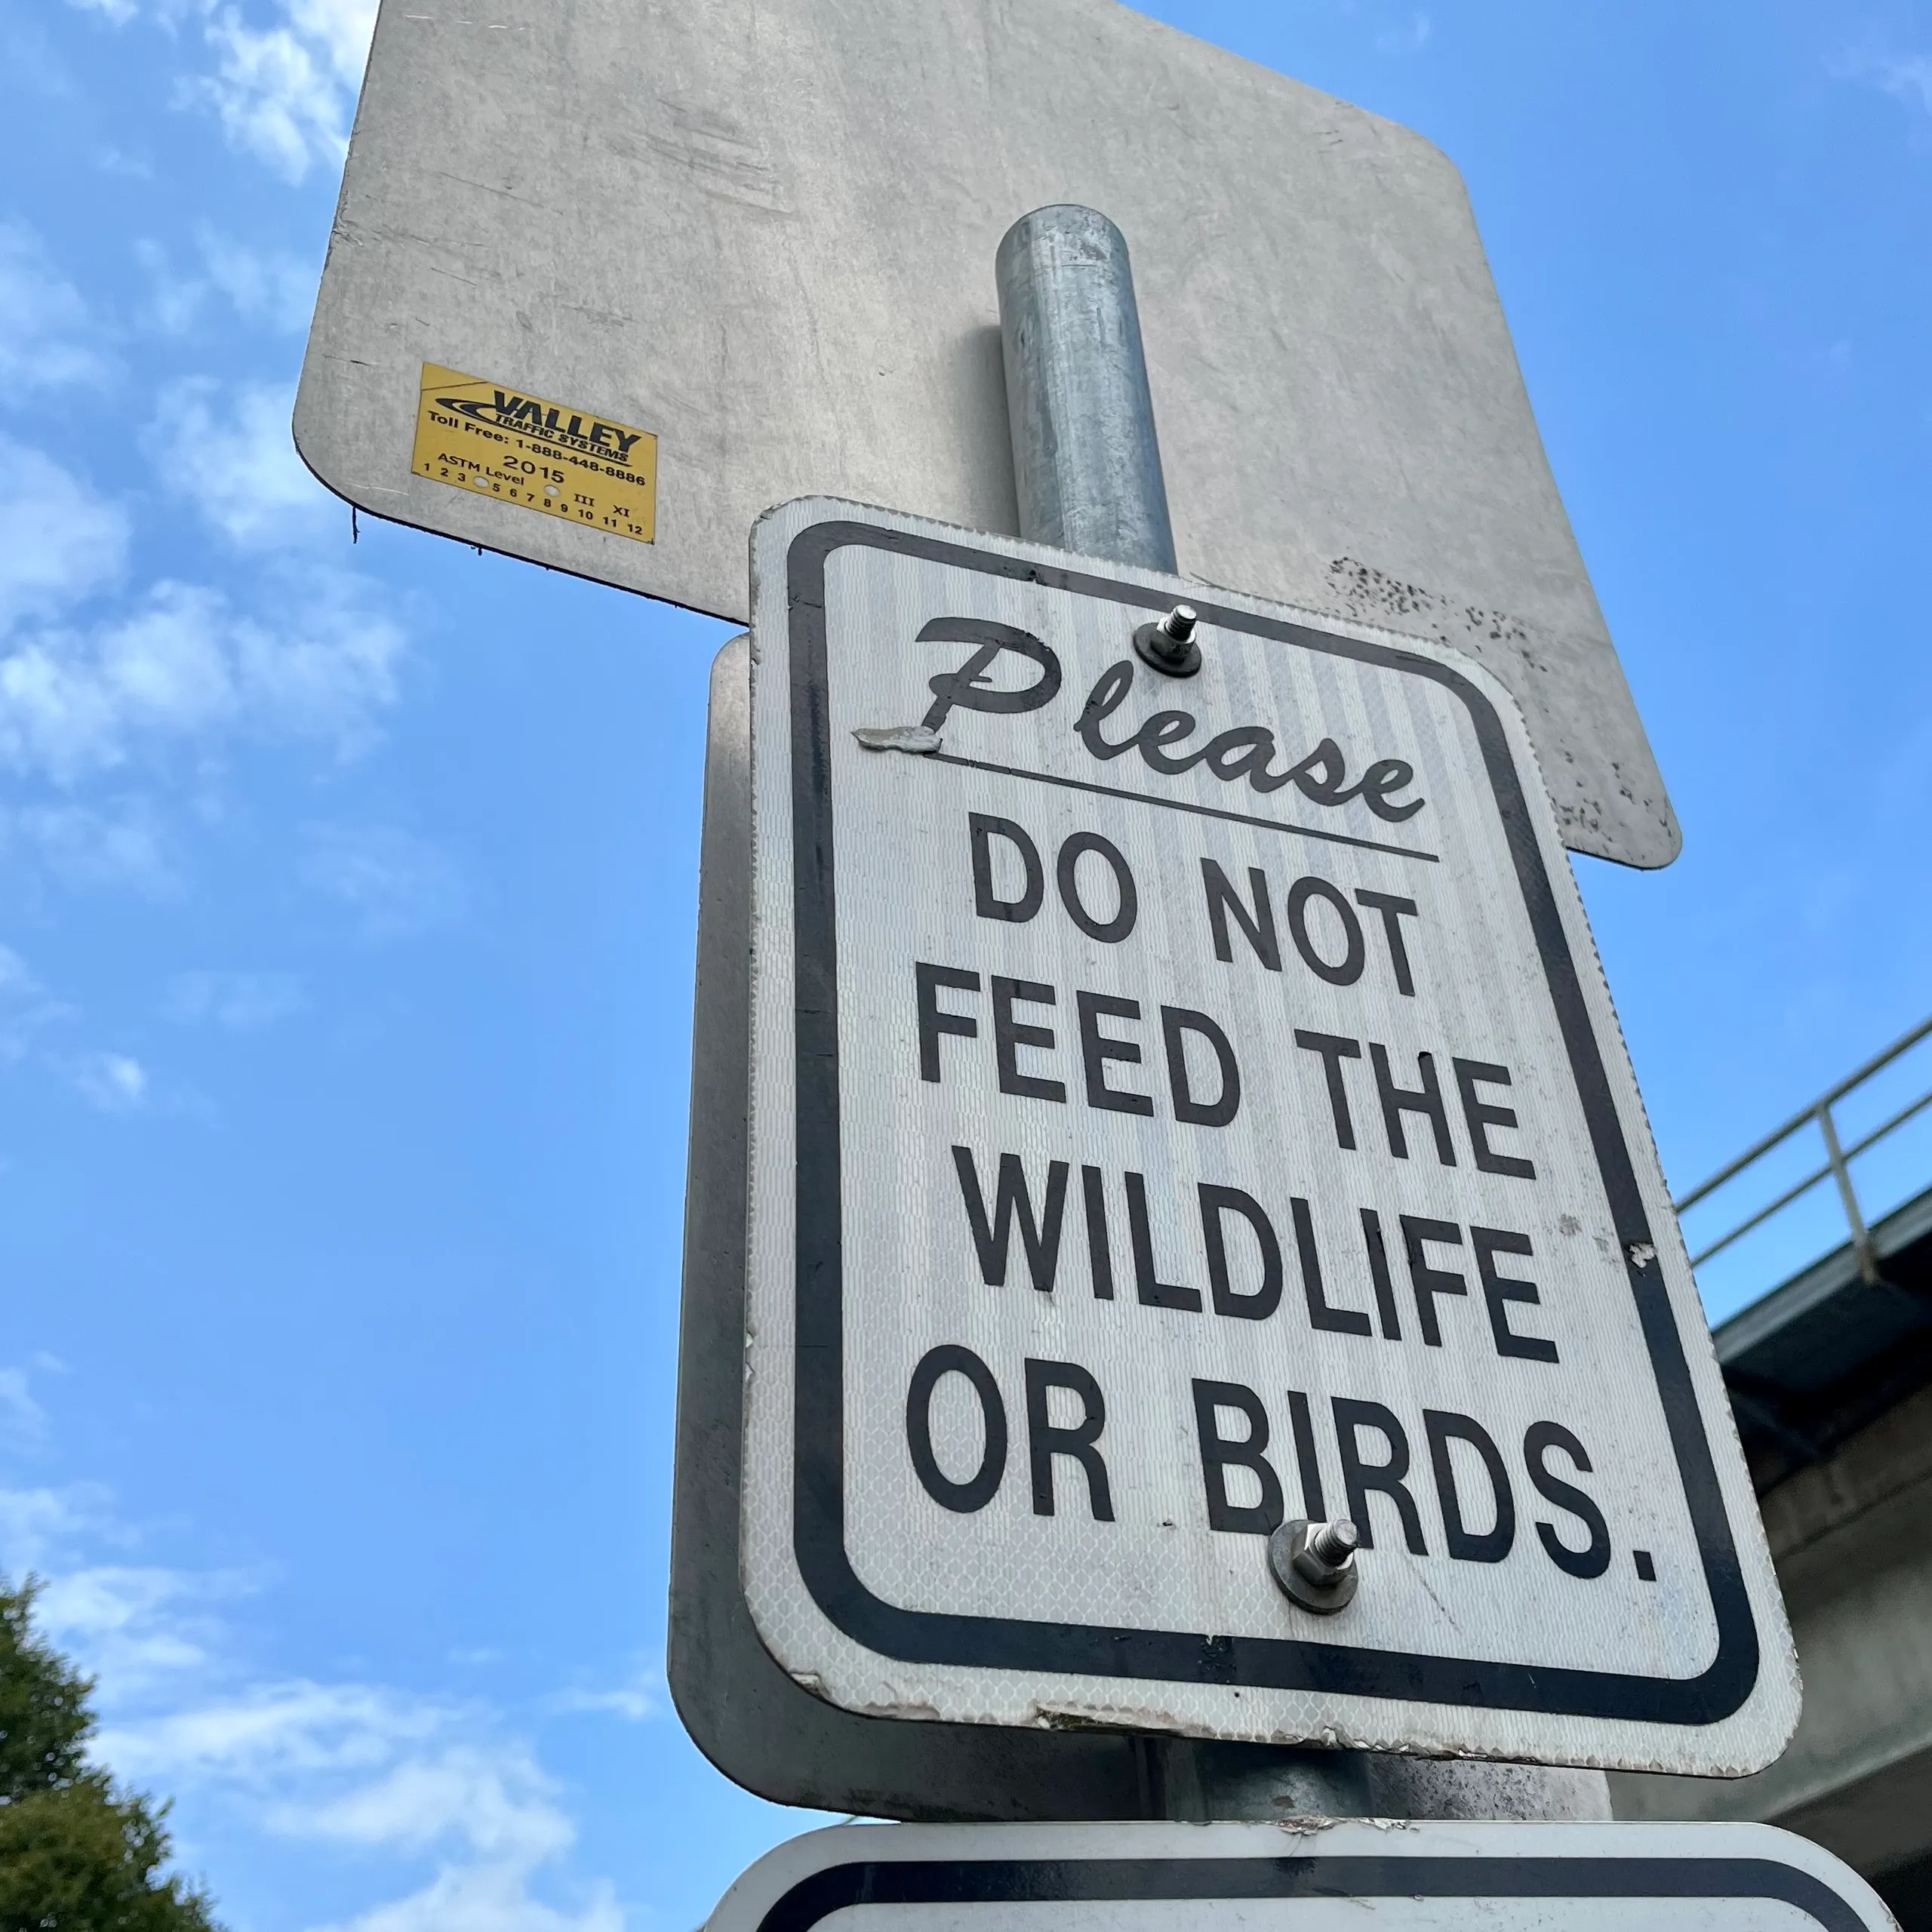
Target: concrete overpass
{"points": [[1830, 1377]]}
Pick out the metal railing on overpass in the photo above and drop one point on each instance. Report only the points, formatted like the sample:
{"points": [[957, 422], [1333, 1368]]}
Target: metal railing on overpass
{"points": [[1839, 1157]]}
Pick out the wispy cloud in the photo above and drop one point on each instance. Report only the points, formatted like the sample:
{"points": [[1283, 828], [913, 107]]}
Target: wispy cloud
{"points": [[184, 667], [398, 884], [1910, 78], [150, 691], [461, 1828], [1410, 37], [26, 1009], [48, 337], [636, 1700], [237, 1002], [284, 91], [1906, 77], [230, 453], [22, 1418], [121, 844], [498, 1801], [271, 287], [370, 1766], [274, 289], [485, 1898], [283, 77], [142, 1626], [35, 1027], [269, 1734], [77, 697], [60, 540], [115, 1083], [367, 1765], [39, 1526]]}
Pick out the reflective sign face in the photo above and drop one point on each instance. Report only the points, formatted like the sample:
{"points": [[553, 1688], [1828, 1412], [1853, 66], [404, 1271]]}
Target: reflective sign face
{"points": [[1426, 1878], [1183, 1105]]}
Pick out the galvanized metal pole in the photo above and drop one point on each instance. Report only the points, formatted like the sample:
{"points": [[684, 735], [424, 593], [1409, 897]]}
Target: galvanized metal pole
{"points": [[1087, 471], [1085, 461]]}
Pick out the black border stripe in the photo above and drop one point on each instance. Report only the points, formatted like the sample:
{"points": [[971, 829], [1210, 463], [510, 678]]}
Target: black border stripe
{"points": [[1180, 1656], [1113, 1880]]}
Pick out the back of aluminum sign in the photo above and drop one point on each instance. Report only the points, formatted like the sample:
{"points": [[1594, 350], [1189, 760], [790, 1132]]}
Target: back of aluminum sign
{"points": [[608, 279], [1183, 1105]]}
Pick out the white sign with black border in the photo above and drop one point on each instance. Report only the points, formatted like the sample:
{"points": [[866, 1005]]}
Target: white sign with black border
{"points": [[1311, 1875], [1182, 1104]]}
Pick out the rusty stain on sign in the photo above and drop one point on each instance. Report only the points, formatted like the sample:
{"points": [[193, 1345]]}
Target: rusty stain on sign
{"points": [[487, 439]]}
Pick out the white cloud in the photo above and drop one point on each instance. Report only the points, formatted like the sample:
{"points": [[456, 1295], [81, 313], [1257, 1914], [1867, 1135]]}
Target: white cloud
{"points": [[122, 846], [177, 298], [342, 28], [271, 1734], [48, 339], [39, 1526], [21, 1006], [400, 884], [241, 1002], [185, 665], [143, 1627], [410, 1776], [633, 1705], [115, 1083], [59, 540], [497, 1800], [283, 92], [284, 77], [1410, 38], [166, 682], [234, 458], [1906, 77], [456, 1824], [495, 1804], [25, 1008], [635, 1701], [16, 977], [486, 1898], [277, 289], [21, 1417]]}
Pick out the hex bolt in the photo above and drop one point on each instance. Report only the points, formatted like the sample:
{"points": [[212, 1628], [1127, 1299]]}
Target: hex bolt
{"points": [[1170, 645], [1315, 1563]]}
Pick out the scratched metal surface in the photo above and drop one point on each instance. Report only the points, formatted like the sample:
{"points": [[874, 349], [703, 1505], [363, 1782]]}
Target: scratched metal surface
{"points": [[768, 235]]}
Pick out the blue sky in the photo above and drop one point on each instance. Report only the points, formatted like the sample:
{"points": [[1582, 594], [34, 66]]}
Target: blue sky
{"points": [[346, 896]]}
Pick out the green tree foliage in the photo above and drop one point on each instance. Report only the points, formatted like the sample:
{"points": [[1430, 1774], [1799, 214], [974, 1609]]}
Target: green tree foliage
{"points": [[76, 1855]]}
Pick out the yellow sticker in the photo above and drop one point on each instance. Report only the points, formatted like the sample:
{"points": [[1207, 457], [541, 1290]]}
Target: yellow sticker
{"points": [[490, 440]]}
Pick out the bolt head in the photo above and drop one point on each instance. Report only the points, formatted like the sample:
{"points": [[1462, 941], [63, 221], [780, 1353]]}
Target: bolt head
{"points": [[1314, 1563], [1169, 645]]}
